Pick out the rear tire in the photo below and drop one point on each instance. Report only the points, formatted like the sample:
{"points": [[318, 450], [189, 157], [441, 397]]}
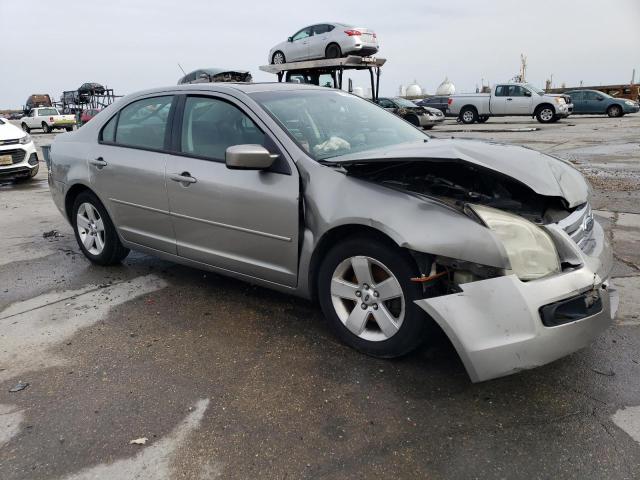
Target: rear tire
{"points": [[390, 324], [614, 111], [96, 235], [46, 128], [25, 127], [333, 51], [69, 129], [468, 115]]}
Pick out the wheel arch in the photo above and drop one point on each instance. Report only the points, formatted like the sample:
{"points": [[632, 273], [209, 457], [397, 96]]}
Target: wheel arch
{"points": [[335, 235], [71, 196], [545, 104]]}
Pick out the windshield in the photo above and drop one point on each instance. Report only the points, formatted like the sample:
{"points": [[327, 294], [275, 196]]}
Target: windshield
{"points": [[330, 123], [403, 102], [534, 89]]}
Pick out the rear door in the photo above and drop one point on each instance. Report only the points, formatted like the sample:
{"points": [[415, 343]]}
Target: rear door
{"points": [[499, 99], [244, 221], [578, 102], [319, 40], [594, 102], [127, 171]]}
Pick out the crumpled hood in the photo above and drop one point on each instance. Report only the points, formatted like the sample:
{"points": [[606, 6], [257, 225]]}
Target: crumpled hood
{"points": [[544, 174]]}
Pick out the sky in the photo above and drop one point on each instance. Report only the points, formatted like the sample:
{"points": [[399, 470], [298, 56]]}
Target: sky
{"points": [[130, 45]]}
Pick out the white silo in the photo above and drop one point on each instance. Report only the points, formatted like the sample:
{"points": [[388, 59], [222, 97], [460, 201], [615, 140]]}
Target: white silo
{"points": [[446, 88], [413, 90]]}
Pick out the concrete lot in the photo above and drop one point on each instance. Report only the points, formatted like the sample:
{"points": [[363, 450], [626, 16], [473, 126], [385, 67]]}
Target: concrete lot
{"points": [[227, 380]]}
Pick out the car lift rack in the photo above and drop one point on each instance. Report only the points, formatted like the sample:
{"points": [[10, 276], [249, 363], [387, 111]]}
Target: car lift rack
{"points": [[331, 66]]}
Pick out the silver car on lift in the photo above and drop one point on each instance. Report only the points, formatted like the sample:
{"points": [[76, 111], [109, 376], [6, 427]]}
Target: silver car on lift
{"points": [[325, 195], [325, 40]]}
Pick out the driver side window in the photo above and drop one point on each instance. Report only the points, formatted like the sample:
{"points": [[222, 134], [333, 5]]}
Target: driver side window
{"points": [[304, 33]]}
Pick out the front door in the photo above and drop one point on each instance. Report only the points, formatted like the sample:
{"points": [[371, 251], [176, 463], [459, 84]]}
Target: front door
{"points": [[127, 171], [594, 102], [299, 48], [518, 101], [243, 221]]}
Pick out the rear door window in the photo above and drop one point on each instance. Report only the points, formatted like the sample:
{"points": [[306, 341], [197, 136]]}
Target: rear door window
{"points": [[143, 124]]}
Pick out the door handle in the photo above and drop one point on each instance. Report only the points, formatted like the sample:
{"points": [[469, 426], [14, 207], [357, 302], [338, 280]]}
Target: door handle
{"points": [[98, 162], [184, 177], [509, 99]]}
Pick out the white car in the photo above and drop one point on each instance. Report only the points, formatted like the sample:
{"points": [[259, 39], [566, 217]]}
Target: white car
{"points": [[47, 118], [325, 40], [18, 157]]}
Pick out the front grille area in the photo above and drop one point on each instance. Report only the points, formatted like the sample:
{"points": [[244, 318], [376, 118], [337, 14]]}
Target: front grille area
{"points": [[10, 142], [17, 154], [579, 225]]}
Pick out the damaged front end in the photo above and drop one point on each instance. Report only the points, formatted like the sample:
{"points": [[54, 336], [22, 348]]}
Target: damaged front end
{"points": [[550, 299]]}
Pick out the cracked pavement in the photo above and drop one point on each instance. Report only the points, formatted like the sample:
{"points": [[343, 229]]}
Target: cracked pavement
{"points": [[228, 380]]}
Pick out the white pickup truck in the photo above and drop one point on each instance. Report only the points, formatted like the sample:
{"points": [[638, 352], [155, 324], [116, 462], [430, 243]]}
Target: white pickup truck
{"points": [[47, 118], [510, 99]]}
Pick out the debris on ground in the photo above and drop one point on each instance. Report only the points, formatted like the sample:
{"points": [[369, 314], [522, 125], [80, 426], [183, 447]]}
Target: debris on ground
{"points": [[608, 373], [19, 387], [52, 234], [139, 441]]}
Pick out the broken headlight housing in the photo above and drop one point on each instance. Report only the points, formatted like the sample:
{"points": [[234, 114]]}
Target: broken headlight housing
{"points": [[531, 251]]}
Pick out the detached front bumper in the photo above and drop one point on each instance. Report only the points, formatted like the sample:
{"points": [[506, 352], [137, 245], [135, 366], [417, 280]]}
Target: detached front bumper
{"points": [[496, 324]]}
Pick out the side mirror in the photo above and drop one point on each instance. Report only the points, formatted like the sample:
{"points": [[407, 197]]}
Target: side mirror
{"points": [[600, 98], [248, 157], [527, 93], [290, 39]]}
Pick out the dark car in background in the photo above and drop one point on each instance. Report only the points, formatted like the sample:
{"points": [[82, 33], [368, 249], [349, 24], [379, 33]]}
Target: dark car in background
{"points": [[210, 75], [440, 102], [595, 102]]}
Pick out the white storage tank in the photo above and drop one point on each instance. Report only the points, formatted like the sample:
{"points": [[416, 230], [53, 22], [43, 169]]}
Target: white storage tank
{"points": [[413, 90], [446, 88]]}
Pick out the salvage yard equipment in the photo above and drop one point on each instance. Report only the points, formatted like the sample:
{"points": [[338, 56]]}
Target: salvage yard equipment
{"points": [[329, 72]]}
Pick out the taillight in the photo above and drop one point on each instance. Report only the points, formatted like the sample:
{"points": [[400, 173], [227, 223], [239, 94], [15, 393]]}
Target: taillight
{"points": [[353, 33], [449, 101]]}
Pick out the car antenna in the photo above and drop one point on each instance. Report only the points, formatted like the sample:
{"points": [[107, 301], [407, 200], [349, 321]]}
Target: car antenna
{"points": [[183, 72]]}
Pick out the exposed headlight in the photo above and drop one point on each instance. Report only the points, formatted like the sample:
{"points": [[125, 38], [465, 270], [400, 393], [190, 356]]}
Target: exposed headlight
{"points": [[560, 101], [629, 102], [26, 139], [530, 249]]}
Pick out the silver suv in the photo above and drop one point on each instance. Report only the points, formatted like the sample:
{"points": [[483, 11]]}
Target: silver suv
{"points": [[325, 195]]}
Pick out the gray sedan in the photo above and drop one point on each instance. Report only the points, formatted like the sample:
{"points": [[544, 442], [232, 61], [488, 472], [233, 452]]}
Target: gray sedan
{"points": [[327, 196]]}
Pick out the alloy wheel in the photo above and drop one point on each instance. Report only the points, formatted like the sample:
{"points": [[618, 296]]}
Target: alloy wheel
{"points": [[546, 114], [278, 58], [467, 116], [90, 228], [367, 298]]}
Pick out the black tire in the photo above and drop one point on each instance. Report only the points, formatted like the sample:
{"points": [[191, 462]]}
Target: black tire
{"points": [[25, 127], [113, 252], [46, 128], [413, 120], [468, 115], [615, 111], [333, 51], [428, 127], [69, 129], [483, 118], [276, 56], [545, 114], [412, 330]]}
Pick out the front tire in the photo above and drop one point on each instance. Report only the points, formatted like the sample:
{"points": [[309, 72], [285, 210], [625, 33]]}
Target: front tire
{"points": [[614, 111], [545, 114], [69, 129], [468, 115], [46, 128], [95, 232], [25, 127], [333, 51], [278, 58], [366, 294], [483, 118]]}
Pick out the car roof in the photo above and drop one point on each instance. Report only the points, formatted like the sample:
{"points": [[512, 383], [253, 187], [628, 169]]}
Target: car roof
{"points": [[231, 86]]}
